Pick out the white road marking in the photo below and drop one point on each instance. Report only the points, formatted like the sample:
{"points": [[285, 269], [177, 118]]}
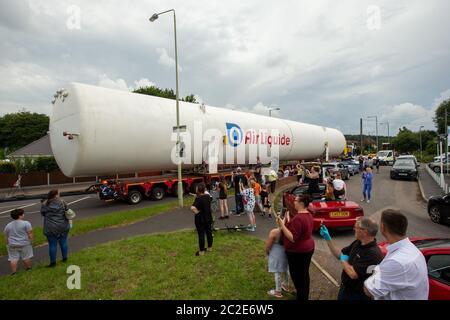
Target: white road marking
{"points": [[21, 207], [78, 200]]}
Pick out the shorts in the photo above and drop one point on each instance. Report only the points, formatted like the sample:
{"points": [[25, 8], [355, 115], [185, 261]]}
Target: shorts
{"points": [[299, 177], [15, 253], [248, 212]]}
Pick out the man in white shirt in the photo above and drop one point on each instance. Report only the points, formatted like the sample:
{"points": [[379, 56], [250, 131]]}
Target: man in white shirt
{"points": [[402, 275]]}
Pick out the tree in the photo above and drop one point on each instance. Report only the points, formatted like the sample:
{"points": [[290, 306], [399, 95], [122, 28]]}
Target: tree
{"points": [[439, 118], [406, 141], [19, 129], [163, 93]]}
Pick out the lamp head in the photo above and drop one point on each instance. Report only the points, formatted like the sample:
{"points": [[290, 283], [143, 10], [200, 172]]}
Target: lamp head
{"points": [[153, 17]]}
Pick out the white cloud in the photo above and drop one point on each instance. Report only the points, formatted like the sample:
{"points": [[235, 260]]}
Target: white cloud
{"points": [[106, 82], [165, 60], [144, 82], [259, 108]]}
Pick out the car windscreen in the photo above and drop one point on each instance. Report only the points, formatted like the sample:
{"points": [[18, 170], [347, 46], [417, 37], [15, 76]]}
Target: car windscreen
{"points": [[433, 243], [328, 166], [383, 153], [303, 189], [404, 163]]}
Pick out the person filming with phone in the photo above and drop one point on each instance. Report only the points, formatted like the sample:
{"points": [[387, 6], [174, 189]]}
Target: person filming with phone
{"points": [[299, 244], [358, 259]]}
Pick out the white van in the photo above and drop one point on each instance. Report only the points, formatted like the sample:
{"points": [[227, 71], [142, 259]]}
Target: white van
{"points": [[386, 157]]}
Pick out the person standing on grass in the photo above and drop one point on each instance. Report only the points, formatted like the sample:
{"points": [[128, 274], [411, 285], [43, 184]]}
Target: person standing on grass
{"points": [[278, 264], [223, 198], [238, 178], [56, 225], [367, 178], [18, 238], [300, 172], [203, 219], [248, 198], [299, 244]]}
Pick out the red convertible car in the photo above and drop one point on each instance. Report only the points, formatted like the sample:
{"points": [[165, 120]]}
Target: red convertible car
{"points": [[333, 214], [437, 255]]}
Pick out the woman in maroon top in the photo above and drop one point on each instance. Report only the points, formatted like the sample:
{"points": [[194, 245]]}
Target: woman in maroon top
{"points": [[299, 244]]}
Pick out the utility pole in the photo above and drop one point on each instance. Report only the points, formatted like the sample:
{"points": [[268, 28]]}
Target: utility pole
{"points": [[360, 134]]}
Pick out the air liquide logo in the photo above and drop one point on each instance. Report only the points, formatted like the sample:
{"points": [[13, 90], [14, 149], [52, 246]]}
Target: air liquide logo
{"points": [[234, 134]]}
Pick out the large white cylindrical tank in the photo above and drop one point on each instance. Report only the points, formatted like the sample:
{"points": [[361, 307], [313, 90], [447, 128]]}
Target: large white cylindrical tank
{"points": [[96, 130]]}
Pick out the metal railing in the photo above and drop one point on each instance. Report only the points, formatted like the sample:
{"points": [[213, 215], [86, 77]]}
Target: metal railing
{"points": [[437, 177]]}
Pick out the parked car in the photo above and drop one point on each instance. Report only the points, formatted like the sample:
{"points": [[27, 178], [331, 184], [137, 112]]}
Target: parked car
{"points": [[404, 168], [436, 166], [352, 166], [437, 255], [439, 209], [408, 156], [334, 167], [332, 213]]}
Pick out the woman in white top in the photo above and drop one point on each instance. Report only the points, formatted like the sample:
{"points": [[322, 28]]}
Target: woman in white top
{"points": [[339, 187]]}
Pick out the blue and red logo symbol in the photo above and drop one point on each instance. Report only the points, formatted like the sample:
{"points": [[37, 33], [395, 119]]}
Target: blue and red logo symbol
{"points": [[234, 134]]}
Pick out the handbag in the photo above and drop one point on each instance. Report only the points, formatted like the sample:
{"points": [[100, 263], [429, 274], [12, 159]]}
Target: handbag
{"points": [[70, 214]]}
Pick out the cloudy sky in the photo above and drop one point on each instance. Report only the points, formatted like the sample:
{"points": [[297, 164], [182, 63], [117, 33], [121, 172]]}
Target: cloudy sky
{"points": [[322, 62]]}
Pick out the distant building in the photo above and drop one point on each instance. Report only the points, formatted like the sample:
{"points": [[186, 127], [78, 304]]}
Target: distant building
{"points": [[38, 148]]}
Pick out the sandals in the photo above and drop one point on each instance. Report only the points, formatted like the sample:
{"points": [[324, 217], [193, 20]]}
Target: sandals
{"points": [[286, 289], [274, 294]]}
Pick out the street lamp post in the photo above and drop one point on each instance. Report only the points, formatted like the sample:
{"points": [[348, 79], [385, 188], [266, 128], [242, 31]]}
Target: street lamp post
{"points": [[376, 127], [180, 183], [272, 109], [420, 137], [387, 123]]}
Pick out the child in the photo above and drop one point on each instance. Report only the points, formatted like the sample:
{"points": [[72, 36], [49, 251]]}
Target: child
{"points": [[248, 199], [278, 263], [19, 235]]}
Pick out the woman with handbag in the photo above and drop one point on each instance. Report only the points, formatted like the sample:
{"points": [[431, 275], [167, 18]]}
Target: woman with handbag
{"points": [[56, 225]]}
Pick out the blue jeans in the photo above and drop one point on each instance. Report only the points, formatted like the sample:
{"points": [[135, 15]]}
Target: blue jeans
{"points": [[367, 190], [53, 246]]}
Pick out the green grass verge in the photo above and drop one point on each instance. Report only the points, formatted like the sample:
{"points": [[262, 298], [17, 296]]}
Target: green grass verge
{"points": [[161, 267], [114, 219]]}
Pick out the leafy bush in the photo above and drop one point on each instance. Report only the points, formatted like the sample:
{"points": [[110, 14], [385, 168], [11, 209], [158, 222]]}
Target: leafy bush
{"points": [[7, 167], [46, 164]]}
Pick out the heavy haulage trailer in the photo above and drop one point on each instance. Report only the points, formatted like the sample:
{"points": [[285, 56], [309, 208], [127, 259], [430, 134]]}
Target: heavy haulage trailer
{"points": [[97, 131]]}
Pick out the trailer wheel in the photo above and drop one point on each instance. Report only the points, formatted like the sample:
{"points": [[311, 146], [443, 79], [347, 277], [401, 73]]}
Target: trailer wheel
{"points": [[134, 197], [194, 187], [175, 190], [229, 182], [158, 193]]}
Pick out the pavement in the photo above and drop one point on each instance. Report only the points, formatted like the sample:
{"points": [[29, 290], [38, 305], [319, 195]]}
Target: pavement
{"points": [[39, 192], [428, 187]]}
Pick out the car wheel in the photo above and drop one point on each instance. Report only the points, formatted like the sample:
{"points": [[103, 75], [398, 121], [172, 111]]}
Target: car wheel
{"points": [[158, 193], [435, 214], [134, 197], [437, 170]]}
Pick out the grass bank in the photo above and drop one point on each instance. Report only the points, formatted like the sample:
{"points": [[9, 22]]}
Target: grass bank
{"points": [[114, 219], [161, 266]]}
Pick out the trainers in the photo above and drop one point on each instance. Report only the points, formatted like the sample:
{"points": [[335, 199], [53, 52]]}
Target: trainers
{"points": [[362, 200], [368, 201], [251, 229], [274, 293]]}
